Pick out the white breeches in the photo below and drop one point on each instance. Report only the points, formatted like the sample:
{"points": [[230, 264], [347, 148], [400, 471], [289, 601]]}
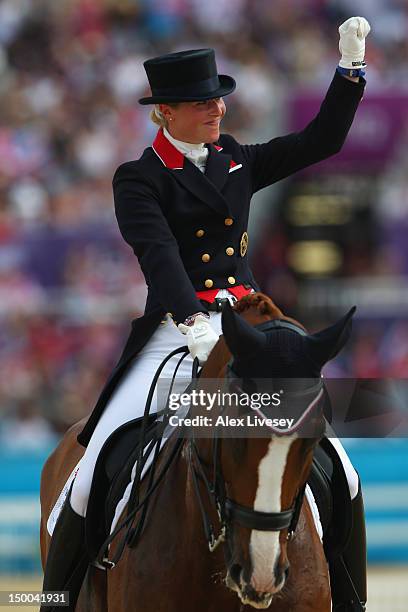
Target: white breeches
{"points": [[129, 399]]}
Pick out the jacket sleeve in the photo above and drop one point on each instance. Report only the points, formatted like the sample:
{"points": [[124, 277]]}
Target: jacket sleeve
{"points": [[145, 228], [322, 137]]}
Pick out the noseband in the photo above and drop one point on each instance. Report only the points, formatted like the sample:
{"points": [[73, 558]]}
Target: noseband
{"points": [[229, 511]]}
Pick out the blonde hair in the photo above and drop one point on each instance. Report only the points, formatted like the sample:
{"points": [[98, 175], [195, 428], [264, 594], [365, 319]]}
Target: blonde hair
{"points": [[157, 116]]}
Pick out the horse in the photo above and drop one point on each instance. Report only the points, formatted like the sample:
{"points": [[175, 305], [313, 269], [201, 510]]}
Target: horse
{"points": [[268, 554]]}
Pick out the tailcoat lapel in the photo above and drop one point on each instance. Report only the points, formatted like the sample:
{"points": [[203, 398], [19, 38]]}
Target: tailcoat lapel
{"points": [[218, 165], [206, 186], [202, 187]]}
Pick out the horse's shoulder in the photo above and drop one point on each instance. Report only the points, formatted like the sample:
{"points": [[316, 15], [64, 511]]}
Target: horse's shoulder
{"points": [[76, 428], [68, 443]]}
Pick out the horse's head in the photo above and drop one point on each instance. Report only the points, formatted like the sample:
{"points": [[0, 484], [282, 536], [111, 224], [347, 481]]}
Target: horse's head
{"points": [[265, 477]]}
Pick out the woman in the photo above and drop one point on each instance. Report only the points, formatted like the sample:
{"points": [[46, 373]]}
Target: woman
{"points": [[183, 207]]}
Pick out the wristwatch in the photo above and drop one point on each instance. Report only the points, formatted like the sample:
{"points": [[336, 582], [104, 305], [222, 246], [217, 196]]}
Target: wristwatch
{"points": [[190, 320], [351, 72]]}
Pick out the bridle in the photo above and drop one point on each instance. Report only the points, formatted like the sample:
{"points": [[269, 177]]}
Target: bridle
{"points": [[228, 510]]}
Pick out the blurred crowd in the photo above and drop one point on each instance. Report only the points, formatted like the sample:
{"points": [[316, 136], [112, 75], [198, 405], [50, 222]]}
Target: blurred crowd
{"points": [[71, 73]]}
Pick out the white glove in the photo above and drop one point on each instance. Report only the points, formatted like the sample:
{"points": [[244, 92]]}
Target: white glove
{"points": [[353, 33], [201, 338]]}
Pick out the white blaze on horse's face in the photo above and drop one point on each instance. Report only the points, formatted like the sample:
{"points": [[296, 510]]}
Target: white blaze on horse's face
{"points": [[265, 547]]}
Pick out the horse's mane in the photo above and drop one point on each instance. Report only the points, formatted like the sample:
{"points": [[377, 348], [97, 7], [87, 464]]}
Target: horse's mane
{"points": [[258, 307], [254, 308]]}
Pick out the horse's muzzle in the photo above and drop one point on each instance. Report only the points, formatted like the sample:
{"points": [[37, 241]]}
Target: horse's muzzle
{"points": [[246, 592]]}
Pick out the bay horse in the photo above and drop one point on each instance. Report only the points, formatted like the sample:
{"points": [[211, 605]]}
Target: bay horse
{"points": [[261, 563]]}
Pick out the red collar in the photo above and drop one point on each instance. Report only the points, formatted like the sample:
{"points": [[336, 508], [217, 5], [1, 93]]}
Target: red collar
{"points": [[167, 153], [170, 156]]}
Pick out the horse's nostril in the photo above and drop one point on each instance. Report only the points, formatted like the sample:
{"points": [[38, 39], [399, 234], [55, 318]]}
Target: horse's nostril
{"points": [[235, 573], [281, 572]]}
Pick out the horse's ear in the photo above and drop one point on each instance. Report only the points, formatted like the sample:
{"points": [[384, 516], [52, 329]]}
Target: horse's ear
{"points": [[241, 338], [325, 344]]}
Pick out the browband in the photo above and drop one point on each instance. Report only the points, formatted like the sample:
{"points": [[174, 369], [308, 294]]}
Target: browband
{"points": [[279, 324]]}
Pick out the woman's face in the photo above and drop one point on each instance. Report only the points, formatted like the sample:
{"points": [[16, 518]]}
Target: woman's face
{"points": [[195, 122]]}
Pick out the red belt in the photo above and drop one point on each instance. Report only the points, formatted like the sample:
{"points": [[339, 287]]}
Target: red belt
{"points": [[210, 294]]}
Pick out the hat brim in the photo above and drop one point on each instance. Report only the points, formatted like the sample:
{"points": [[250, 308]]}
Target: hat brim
{"points": [[227, 86]]}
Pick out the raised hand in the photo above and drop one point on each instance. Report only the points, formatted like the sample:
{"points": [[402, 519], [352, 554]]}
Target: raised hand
{"points": [[353, 33]]}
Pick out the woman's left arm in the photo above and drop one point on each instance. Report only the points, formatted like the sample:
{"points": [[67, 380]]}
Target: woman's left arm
{"points": [[325, 134]]}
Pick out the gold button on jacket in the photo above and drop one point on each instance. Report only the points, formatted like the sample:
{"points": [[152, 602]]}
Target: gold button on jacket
{"points": [[206, 257], [200, 233], [231, 280], [229, 251], [228, 221], [208, 283]]}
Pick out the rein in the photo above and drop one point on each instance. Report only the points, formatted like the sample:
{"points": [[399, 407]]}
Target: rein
{"points": [[132, 534]]}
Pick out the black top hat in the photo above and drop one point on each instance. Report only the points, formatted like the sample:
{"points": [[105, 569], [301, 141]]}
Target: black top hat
{"points": [[186, 76]]}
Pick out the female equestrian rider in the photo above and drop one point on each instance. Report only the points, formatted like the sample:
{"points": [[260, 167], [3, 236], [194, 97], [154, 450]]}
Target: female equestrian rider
{"points": [[183, 207]]}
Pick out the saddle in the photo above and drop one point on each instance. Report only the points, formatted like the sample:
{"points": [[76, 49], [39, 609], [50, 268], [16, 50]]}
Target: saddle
{"points": [[121, 450]]}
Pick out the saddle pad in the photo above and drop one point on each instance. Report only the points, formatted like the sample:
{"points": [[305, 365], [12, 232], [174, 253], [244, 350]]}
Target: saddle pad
{"points": [[315, 511], [55, 512]]}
